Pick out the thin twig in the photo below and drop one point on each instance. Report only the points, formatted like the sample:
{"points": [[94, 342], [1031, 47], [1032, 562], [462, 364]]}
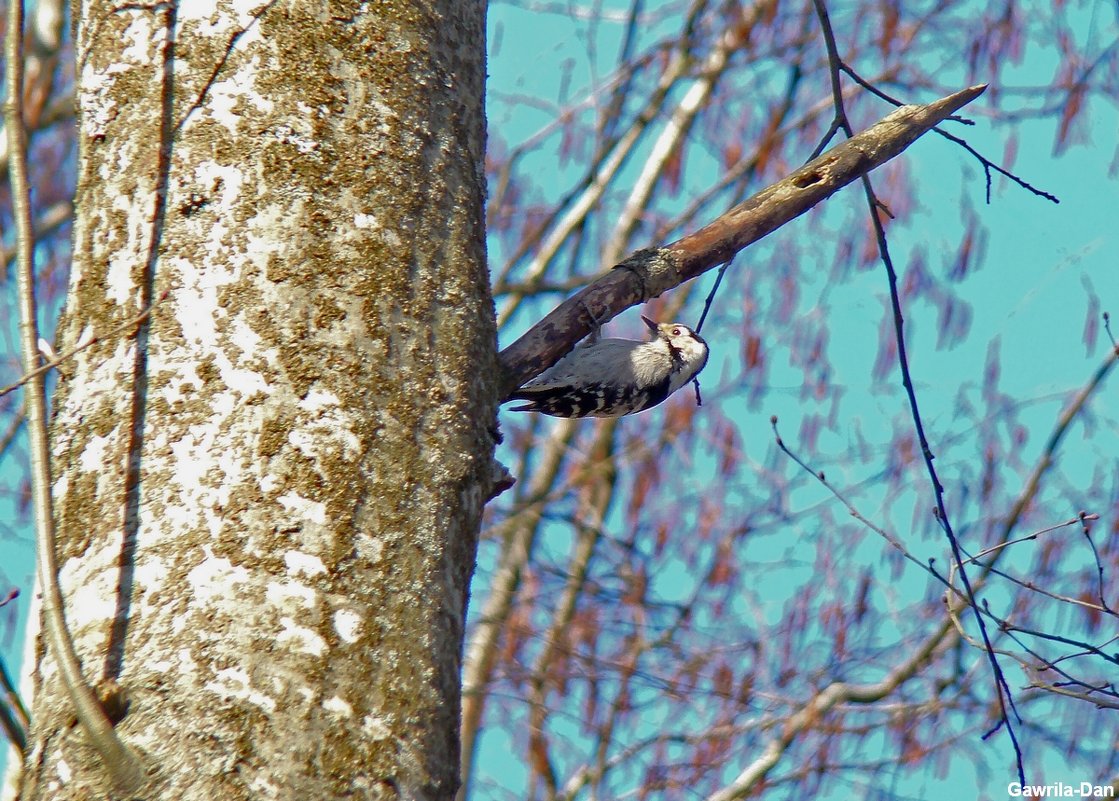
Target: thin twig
{"points": [[124, 327], [1009, 630], [11, 696], [10, 435], [854, 512], [15, 733], [121, 764], [703, 317], [13, 714], [999, 546], [711, 295], [1084, 518], [987, 164], [1031, 586], [1002, 689]]}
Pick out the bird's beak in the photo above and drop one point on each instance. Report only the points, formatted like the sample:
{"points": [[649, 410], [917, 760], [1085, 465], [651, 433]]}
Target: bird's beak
{"points": [[650, 323]]}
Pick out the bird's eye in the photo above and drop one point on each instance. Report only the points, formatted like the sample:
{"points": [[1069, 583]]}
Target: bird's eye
{"points": [[677, 331]]}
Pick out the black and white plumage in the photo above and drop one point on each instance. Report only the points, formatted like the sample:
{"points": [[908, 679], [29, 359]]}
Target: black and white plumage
{"points": [[614, 377]]}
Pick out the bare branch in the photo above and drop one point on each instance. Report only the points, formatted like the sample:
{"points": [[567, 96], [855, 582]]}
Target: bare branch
{"points": [[649, 273], [822, 703], [481, 651], [13, 714]]}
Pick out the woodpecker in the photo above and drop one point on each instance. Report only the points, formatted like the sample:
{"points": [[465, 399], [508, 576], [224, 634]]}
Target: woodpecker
{"points": [[615, 377]]}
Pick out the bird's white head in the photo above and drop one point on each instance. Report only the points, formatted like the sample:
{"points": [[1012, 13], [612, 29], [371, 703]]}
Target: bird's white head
{"points": [[687, 349]]}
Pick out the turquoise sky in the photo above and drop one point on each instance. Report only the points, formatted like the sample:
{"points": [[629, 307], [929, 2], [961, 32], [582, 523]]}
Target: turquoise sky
{"points": [[1045, 273], [1031, 297]]}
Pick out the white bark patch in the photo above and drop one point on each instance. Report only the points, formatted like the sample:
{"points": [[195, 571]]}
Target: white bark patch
{"points": [[144, 40], [322, 436], [197, 314], [215, 577], [183, 386], [375, 728], [206, 13], [348, 625], [205, 472], [300, 638], [196, 302], [290, 596], [93, 599], [303, 142], [195, 456], [86, 336], [160, 665], [242, 383], [93, 456], [118, 280], [188, 665], [260, 787], [338, 706], [98, 107], [318, 399], [303, 563], [64, 772], [369, 548], [150, 573], [264, 233], [61, 486], [84, 395], [136, 203], [249, 341], [223, 185], [227, 95], [233, 683], [312, 511]]}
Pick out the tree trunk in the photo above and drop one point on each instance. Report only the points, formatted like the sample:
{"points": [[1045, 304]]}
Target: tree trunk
{"points": [[268, 491]]}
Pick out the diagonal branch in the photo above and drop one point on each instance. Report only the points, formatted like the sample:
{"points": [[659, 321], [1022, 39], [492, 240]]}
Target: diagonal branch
{"points": [[835, 693], [648, 273]]}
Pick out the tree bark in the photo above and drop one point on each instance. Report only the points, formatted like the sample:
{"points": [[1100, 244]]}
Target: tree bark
{"points": [[268, 495]]}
